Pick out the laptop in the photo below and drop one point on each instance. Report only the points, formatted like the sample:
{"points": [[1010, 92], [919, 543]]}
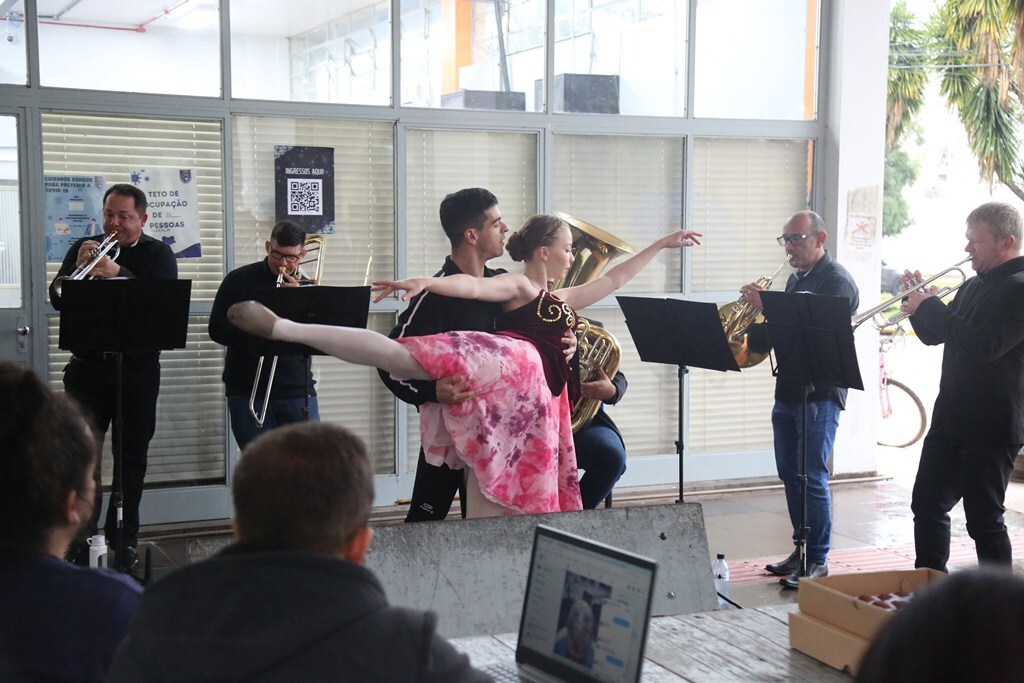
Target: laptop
{"points": [[585, 612]]}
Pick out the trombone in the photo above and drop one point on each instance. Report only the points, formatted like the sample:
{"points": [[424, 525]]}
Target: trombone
{"points": [[315, 245], [875, 314]]}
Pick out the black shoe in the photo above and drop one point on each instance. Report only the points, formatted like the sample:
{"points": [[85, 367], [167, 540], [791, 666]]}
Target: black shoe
{"points": [[129, 560], [814, 571], [787, 566]]}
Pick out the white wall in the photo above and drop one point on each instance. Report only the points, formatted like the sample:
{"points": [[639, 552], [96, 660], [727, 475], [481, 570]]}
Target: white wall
{"points": [[854, 149]]}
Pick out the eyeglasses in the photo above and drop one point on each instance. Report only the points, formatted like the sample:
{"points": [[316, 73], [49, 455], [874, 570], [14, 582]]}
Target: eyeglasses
{"points": [[290, 258], [793, 239]]}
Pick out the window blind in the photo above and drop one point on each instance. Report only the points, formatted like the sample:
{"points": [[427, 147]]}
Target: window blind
{"points": [[189, 444], [360, 250], [743, 191]]}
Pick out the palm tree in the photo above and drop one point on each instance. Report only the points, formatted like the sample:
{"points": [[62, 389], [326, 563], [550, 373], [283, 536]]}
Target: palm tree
{"points": [[980, 57], [908, 72]]}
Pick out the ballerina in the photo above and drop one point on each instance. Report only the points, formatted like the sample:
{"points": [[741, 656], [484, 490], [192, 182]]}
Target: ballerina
{"points": [[514, 437]]}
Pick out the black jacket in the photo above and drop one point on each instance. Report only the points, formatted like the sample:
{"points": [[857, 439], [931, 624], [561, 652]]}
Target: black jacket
{"points": [[430, 313], [292, 376], [256, 615], [826, 277], [981, 393]]}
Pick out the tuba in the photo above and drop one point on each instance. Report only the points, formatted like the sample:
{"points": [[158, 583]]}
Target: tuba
{"points": [[597, 348], [738, 316], [315, 247]]}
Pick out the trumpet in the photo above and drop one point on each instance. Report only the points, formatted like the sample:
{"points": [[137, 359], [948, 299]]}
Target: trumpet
{"points": [[96, 255], [875, 314]]}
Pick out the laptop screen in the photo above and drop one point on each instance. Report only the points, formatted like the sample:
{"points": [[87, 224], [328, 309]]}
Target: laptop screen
{"points": [[586, 609]]}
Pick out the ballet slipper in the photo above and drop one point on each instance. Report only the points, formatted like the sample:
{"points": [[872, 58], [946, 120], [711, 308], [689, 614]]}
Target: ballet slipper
{"points": [[254, 318]]}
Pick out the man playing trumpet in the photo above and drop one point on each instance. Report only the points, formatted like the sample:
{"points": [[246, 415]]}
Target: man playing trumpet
{"points": [[293, 378], [90, 377], [978, 420]]}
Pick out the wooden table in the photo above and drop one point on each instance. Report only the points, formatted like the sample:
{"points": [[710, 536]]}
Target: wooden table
{"points": [[734, 645]]}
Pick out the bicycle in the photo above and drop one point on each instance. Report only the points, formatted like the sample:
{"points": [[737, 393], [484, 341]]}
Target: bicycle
{"points": [[903, 417]]}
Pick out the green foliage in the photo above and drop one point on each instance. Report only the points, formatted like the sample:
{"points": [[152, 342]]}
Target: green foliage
{"points": [[900, 172]]}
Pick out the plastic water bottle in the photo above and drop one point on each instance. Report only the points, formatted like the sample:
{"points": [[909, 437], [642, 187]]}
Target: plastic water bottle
{"points": [[97, 550], [721, 571]]}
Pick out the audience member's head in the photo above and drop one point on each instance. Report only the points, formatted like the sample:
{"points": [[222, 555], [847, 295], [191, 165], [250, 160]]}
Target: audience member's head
{"points": [[48, 456], [306, 486], [969, 627]]}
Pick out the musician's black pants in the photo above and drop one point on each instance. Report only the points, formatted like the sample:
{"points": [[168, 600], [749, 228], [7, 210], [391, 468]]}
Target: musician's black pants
{"points": [[92, 384], [949, 470], [434, 490]]}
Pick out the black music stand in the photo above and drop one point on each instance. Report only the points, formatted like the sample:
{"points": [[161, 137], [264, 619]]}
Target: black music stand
{"points": [[812, 341], [115, 316], [338, 306], [681, 333]]}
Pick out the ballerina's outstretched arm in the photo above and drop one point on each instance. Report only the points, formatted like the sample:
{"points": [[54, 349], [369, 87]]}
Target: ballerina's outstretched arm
{"points": [[591, 292], [350, 344], [508, 287]]}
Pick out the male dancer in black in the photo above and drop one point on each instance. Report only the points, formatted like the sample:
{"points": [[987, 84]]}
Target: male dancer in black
{"points": [[472, 221]]}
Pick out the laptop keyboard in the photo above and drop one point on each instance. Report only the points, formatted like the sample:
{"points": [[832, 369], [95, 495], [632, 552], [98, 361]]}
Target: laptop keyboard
{"points": [[505, 672]]}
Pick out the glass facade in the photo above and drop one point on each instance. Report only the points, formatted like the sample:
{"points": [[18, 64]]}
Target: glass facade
{"points": [[248, 76]]}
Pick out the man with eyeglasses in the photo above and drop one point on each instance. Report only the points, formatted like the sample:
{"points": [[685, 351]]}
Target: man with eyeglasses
{"points": [[292, 396], [816, 272]]}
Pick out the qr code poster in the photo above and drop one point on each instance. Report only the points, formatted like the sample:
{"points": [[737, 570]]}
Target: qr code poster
{"points": [[304, 186]]}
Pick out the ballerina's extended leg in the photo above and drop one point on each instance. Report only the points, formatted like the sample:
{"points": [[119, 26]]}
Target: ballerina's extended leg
{"points": [[350, 344]]}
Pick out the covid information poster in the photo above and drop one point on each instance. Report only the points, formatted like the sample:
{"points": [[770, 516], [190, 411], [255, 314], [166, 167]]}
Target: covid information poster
{"points": [[74, 209]]}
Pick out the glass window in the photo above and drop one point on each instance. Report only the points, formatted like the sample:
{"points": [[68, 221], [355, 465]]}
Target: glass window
{"points": [[620, 57], [11, 294], [128, 46], [360, 250], [764, 67], [13, 64], [631, 187], [441, 162], [312, 51], [743, 192], [191, 394], [460, 54]]}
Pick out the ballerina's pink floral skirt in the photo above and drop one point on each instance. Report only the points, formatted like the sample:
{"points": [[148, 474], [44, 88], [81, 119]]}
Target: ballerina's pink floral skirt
{"points": [[515, 435]]}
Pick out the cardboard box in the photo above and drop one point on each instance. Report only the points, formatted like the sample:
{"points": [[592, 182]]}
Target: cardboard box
{"points": [[834, 599], [826, 643]]}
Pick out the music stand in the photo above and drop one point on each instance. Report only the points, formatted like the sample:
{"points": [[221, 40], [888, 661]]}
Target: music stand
{"points": [[338, 306], [681, 333], [812, 341], [115, 316]]}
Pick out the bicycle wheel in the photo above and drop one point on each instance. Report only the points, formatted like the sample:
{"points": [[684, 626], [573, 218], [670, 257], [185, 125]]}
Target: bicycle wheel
{"points": [[907, 420]]}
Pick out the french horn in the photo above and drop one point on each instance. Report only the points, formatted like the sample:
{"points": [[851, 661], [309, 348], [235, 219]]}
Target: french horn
{"points": [[738, 316], [597, 348]]}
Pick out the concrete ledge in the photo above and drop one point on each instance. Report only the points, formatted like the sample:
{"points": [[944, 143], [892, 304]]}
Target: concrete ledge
{"points": [[473, 572]]}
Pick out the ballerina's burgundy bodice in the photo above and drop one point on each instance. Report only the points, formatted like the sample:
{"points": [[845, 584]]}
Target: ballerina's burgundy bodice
{"points": [[543, 322]]}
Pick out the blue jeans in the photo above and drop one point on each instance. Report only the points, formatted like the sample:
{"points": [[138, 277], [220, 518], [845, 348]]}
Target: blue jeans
{"points": [[281, 411], [599, 451], [787, 424]]}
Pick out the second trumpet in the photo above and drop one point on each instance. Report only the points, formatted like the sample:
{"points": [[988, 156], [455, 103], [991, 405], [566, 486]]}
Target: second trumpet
{"points": [[875, 314]]}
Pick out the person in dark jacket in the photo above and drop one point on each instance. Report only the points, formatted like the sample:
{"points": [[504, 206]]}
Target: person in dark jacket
{"points": [[978, 420], [803, 237], [90, 376], [291, 600], [292, 395], [58, 622], [600, 450]]}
